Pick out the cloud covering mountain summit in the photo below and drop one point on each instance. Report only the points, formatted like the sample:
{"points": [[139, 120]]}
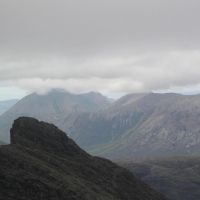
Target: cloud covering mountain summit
{"points": [[109, 46]]}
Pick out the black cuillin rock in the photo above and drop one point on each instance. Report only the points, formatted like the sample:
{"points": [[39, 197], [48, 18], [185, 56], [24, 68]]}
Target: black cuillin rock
{"points": [[42, 163], [30, 132]]}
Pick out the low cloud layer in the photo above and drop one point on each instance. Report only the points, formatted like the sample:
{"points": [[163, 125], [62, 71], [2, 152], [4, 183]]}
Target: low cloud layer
{"points": [[108, 46], [140, 73]]}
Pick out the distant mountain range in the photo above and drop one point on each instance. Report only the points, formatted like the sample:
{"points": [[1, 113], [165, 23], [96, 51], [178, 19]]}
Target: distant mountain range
{"points": [[5, 105], [58, 107], [142, 126], [177, 178], [43, 163], [135, 126]]}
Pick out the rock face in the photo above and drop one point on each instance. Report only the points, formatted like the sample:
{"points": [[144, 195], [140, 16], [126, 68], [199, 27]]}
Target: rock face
{"points": [[29, 132], [142, 126], [42, 163]]}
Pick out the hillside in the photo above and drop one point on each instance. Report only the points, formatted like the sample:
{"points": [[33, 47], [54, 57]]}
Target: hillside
{"points": [[6, 105], [43, 163], [142, 125], [58, 107], [176, 178]]}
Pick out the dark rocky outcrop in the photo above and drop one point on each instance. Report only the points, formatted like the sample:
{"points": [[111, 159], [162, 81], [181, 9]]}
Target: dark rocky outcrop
{"points": [[42, 163], [44, 136]]}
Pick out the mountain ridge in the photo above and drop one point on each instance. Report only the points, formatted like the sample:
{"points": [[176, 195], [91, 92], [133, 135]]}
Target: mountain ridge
{"points": [[7, 104], [135, 126], [154, 124], [43, 163], [58, 107]]}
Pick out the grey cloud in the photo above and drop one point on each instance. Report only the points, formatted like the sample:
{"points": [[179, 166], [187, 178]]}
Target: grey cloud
{"points": [[130, 74], [108, 45], [90, 26]]}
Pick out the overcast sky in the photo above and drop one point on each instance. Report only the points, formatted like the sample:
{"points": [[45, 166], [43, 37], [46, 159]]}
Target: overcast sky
{"points": [[111, 46]]}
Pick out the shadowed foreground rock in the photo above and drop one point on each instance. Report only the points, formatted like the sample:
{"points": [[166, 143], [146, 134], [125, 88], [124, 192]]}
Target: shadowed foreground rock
{"points": [[42, 163]]}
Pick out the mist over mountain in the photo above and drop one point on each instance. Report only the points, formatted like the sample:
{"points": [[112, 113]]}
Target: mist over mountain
{"points": [[43, 163], [58, 107], [5, 105], [1, 143]]}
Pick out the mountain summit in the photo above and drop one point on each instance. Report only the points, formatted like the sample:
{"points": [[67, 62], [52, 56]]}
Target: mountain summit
{"points": [[29, 132], [42, 163], [58, 107], [142, 126]]}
